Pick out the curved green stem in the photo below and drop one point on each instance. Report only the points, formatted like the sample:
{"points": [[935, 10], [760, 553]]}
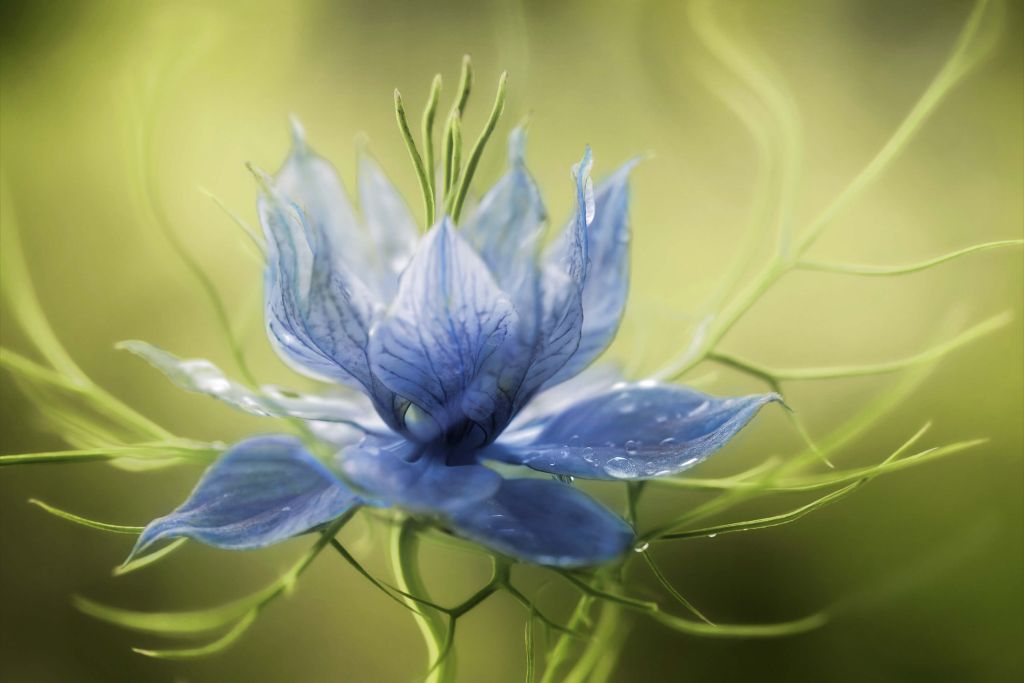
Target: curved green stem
{"points": [[431, 623]]}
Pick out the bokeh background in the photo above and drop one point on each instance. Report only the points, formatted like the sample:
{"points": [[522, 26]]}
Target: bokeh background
{"points": [[924, 565]]}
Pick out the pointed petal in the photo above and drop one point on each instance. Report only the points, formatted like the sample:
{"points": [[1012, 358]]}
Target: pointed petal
{"points": [[319, 311], [563, 278], [286, 285], [607, 282], [391, 227], [260, 492], [545, 522], [203, 377], [637, 432], [447, 320], [311, 182], [398, 472], [506, 227]]}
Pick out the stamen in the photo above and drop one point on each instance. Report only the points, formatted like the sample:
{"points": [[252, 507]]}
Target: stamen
{"points": [[465, 84], [417, 161], [454, 160], [427, 130], [458, 107], [478, 148]]}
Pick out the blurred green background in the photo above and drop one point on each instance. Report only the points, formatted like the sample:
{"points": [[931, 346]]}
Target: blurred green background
{"points": [[926, 566]]}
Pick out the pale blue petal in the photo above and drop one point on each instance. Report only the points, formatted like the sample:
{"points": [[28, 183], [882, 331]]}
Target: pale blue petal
{"points": [[636, 432], [311, 182], [391, 227], [401, 473], [563, 278], [545, 522], [574, 252], [607, 283], [506, 229], [318, 313], [596, 379], [507, 225], [262, 491], [286, 285], [448, 319], [202, 376]]}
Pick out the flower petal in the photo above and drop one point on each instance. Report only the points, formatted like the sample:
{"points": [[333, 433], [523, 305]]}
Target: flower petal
{"points": [[637, 432], [607, 281], [390, 225], [317, 315], [202, 376], [311, 182], [545, 522], [399, 472], [596, 379], [319, 311], [506, 229], [449, 317], [563, 278], [507, 225], [260, 492]]}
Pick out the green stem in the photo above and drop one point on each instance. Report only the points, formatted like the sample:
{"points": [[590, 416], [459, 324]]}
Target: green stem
{"points": [[431, 623], [560, 653]]}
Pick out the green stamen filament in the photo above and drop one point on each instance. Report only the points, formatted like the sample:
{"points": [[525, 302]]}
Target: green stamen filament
{"points": [[478, 148], [428, 138], [417, 161], [458, 107], [454, 158]]}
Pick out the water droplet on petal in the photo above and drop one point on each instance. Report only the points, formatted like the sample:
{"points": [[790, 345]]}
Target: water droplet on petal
{"points": [[632, 447], [699, 409], [621, 468]]}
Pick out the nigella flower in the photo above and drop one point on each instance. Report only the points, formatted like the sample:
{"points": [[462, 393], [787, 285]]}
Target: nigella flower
{"points": [[469, 345]]}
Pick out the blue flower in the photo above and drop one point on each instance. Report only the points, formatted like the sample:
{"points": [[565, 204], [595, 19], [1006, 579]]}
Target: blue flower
{"points": [[465, 346]]}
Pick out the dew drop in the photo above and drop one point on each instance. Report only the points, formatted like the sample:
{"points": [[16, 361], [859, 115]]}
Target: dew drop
{"points": [[621, 468], [632, 447], [699, 409], [215, 385], [667, 442], [397, 263], [588, 454], [712, 535], [660, 419], [641, 548]]}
